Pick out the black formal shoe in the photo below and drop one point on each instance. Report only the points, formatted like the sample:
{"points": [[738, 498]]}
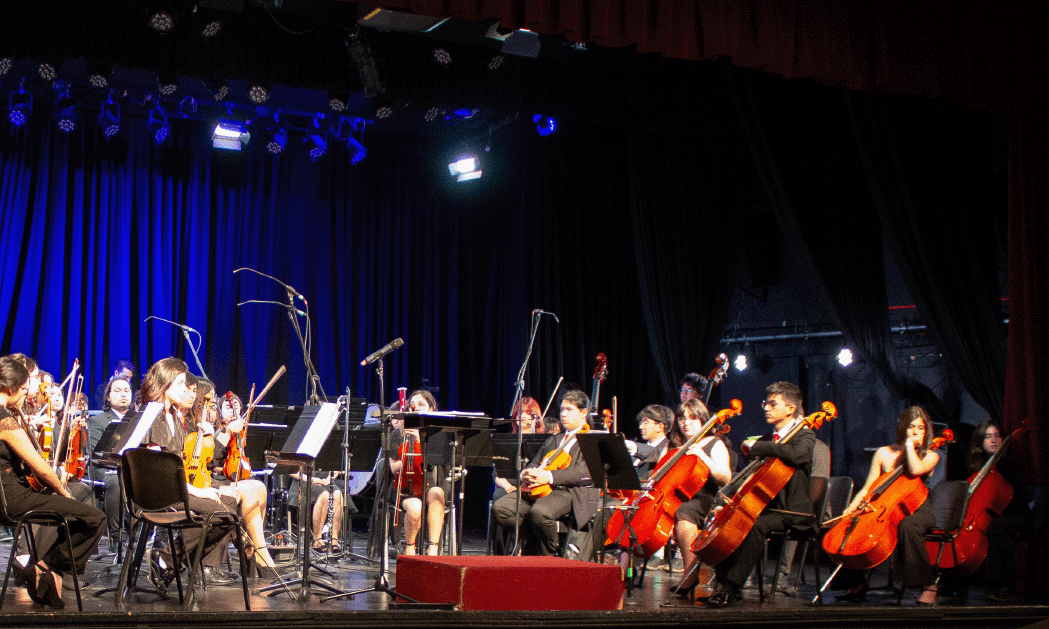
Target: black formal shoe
{"points": [[160, 577], [213, 576], [725, 596], [859, 596], [1001, 595]]}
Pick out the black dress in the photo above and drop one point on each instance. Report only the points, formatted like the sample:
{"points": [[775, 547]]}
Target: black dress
{"points": [[86, 523]]}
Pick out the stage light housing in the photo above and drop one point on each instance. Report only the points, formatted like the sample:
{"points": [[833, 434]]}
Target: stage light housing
{"points": [[319, 148], [211, 29], [740, 363], [356, 149], [19, 106], [162, 22], [230, 135], [544, 125], [67, 119], [277, 142], [159, 129], [258, 94], [465, 168]]}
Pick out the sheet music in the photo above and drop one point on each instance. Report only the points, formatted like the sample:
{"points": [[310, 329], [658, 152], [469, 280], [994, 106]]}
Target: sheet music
{"points": [[320, 428], [149, 415]]}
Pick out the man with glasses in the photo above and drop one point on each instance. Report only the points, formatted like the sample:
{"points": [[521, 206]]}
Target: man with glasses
{"points": [[694, 387]]}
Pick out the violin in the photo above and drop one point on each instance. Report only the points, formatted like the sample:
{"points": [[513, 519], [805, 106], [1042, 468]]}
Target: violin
{"points": [[728, 524], [988, 496], [866, 537], [411, 479], [76, 454], [559, 459], [678, 477], [199, 450], [237, 466]]}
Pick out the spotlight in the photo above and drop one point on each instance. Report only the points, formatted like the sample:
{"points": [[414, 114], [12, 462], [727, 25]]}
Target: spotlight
{"points": [[845, 357], [162, 22], [258, 94], [222, 93], [277, 142], [230, 135], [384, 112], [159, 128], [319, 148], [5, 65], [98, 81], [109, 118], [19, 106], [168, 82], [168, 89], [46, 71], [433, 113], [67, 119], [357, 149], [465, 168], [442, 56], [545, 125], [740, 362], [211, 29], [496, 62], [336, 104]]}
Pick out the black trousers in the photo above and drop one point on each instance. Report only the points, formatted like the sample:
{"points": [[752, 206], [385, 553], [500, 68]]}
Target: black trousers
{"points": [[735, 569], [538, 518]]}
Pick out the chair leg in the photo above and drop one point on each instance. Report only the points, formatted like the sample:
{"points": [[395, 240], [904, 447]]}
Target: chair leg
{"points": [[11, 561], [72, 565], [775, 573], [129, 571], [243, 559]]}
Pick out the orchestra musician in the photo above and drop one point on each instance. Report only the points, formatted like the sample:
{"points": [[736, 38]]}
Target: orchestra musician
{"points": [[693, 387], [711, 450], [19, 457], [117, 403], [569, 486], [1014, 521], [783, 408], [166, 383], [250, 493], [913, 436], [655, 422], [420, 401]]}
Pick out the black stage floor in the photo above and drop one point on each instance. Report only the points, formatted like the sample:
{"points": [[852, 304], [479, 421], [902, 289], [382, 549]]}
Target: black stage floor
{"points": [[648, 605]]}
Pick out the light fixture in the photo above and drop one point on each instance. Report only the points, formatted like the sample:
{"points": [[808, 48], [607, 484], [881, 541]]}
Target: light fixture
{"points": [[258, 94], [277, 142], [356, 149], [496, 62], [162, 21], [544, 125], [109, 118], [465, 168], [46, 71], [433, 113], [442, 56], [67, 119], [159, 129], [211, 29], [230, 135], [19, 106], [384, 112], [319, 148], [221, 93], [5, 65], [740, 363], [845, 357]]}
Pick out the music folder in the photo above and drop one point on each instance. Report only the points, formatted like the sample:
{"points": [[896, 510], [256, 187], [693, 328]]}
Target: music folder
{"points": [[307, 436]]}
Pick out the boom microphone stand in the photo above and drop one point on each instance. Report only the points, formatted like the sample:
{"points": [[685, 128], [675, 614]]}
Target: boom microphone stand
{"points": [[518, 397], [185, 333]]}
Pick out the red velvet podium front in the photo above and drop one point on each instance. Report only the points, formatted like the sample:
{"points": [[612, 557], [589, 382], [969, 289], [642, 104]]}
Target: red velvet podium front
{"points": [[510, 583]]}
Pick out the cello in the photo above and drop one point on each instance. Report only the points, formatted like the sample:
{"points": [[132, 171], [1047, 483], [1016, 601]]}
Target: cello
{"points": [[677, 478], [988, 496], [728, 524], [866, 537]]}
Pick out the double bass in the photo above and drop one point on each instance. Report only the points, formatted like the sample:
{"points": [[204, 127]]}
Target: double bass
{"points": [[866, 537], [729, 523], [677, 478], [988, 496]]}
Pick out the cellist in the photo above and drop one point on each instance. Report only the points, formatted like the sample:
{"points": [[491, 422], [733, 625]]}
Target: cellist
{"points": [[913, 436], [711, 450], [783, 408]]}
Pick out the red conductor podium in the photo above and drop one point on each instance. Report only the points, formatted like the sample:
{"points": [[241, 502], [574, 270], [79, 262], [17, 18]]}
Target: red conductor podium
{"points": [[510, 583]]}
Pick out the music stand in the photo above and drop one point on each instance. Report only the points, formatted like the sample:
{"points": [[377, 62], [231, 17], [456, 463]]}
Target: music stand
{"points": [[301, 449], [355, 450], [611, 467]]}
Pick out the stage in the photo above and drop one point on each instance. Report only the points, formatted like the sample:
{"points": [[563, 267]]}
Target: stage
{"points": [[648, 605]]}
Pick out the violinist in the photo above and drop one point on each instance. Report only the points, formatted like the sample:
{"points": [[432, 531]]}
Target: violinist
{"points": [[913, 437], [250, 493], [420, 401], [19, 457], [568, 486], [49, 402], [166, 383], [783, 408], [1015, 520]]}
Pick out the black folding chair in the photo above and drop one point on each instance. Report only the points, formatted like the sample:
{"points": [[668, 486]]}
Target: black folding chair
{"points": [[156, 494]]}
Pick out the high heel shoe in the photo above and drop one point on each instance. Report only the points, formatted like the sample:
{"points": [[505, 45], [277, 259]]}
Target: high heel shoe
{"points": [[264, 572], [684, 591], [48, 591], [27, 577]]}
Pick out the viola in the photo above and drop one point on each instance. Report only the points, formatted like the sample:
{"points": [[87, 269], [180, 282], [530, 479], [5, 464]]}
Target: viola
{"points": [[866, 537], [728, 524], [237, 466], [988, 496], [677, 478], [199, 452], [411, 479], [559, 459]]}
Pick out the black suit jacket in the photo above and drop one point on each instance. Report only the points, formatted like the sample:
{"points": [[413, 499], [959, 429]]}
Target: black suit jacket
{"points": [[575, 479], [796, 452]]}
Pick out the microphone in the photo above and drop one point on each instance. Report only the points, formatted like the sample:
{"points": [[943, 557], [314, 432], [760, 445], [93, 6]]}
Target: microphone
{"points": [[177, 325], [543, 312], [291, 290], [278, 303], [374, 356]]}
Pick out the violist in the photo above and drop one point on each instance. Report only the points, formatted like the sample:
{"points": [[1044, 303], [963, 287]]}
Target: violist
{"points": [[711, 450], [19, 457], [911, 449], [783, 408], [420, 401]]}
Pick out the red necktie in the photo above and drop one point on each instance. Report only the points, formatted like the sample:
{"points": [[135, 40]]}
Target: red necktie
{"points": [[775, 438]]}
